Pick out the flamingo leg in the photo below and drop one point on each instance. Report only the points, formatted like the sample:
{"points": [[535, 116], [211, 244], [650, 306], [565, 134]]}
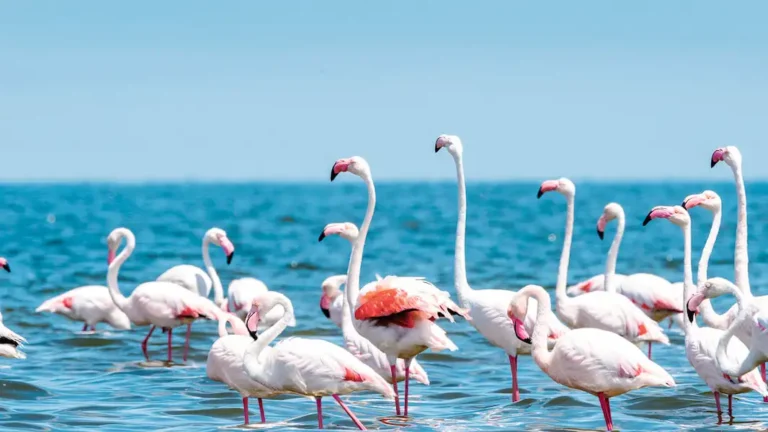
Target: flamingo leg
{"points": [[85, 327], [608, 405], [170, 334], [407, 376], [393, 368], [261, 411], [318, 401], [730, 405], [649, 350], [513, 367], [186, 341], [144, 343], [762, 373], [245, 409], [717, 403], [349, 412], [606, 411]]}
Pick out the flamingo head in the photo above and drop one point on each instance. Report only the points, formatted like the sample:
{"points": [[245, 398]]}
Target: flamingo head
{"points": [[346, 230], [113, 242], [331, 290], [4, 264], [518, 308], [452, 143], [355, 165], [219, 237], [252, 320], [707, 199], [730, 155], [676, 214], [562, 185], [610, 212]]}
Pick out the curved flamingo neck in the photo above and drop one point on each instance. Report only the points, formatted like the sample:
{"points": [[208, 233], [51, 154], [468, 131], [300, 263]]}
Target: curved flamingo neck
{"points": [[725, 364], [238, 327], [687, 278], [741, 255], [541, 354], [218, 290], [613, 254], [460, 264], [252, 358], [565, 256], [356, 257], [708, 314], [118, 298]]}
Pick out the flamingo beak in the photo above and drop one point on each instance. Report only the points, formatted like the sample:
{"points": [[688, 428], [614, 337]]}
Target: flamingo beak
{"points": [[229, 257]]}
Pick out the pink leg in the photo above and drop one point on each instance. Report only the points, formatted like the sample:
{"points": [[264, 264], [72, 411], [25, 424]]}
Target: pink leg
{"points": [[245, 409], [170, 334], [513, 367], [608, 405], [261, 410], [762, 373], [606, 411], [393, 368], [144, 344], [730, 405], [186, 341], [649, 350], [85, 327], [407, 377], [319, 402], [717, 403], [349, 413]]}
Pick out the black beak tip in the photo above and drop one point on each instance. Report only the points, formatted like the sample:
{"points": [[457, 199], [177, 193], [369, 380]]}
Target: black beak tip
{"points": [[683, 205], [437, 149], [647, 219], [322, 236], [600, 234], [690, 314], [229, 258], [528, 341], [7, 268], [326, 312], [333, 172], [254, 335], [712, 164], [539, 194]]}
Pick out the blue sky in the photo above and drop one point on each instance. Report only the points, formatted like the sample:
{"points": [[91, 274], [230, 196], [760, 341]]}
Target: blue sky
{"points": [[243, 90]]}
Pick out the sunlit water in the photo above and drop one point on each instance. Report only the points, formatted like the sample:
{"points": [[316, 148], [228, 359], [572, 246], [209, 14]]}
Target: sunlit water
{"points": [[54, 237]]}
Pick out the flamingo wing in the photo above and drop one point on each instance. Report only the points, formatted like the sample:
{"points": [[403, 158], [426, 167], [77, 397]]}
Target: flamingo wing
{"points": [[190, 277]]}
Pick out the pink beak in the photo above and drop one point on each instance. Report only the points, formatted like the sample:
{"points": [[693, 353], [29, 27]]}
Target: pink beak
{"points": [[520, 331], [110, 256], [693, 202]]}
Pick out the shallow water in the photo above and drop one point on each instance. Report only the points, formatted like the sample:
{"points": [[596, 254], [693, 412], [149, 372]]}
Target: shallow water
{"points": [[54, 237]]}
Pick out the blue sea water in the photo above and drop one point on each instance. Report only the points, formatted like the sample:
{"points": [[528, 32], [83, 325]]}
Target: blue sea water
{"points": [[54, 237]]}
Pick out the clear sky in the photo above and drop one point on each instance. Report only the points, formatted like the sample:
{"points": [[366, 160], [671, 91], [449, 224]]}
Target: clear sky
{"points": [[239, 90]]}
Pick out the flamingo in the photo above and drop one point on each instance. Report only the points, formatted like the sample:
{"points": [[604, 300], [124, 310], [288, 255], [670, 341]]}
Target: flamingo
{"points": [[600, 309], [701, 343], [732, 157], [308, 367], [157, 304], [240, 295], [654, 295], [596, 361], [196, 280], [486, 307], [225, 364], [10, 342], [750, 314], [90, 304], [396, 314], [361, 347]]}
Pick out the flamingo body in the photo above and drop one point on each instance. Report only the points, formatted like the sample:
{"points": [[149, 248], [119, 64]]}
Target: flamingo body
{"points": [[90, 304], [10, 342], [190, 277]]}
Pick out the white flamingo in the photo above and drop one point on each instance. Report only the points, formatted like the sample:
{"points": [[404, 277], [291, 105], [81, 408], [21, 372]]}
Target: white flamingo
{"points": [[395, 313], [10, 342], [701, 343], [157, 304], [196, 280], [90, 304], [732, 157], [596, 361], [488, 307], [654, 295], [308, 367], [361, 347], [225, 364], [600, 309], [240, 295]]}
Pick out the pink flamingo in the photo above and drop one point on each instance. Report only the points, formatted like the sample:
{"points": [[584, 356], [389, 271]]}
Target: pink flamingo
{"points": [[196, 280], [10, 342], [361, 347], [308, 367], [158, 304], [90, 304], [596, 361], [396, 314], [604, 310], [225, 364], [487, 307]]}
